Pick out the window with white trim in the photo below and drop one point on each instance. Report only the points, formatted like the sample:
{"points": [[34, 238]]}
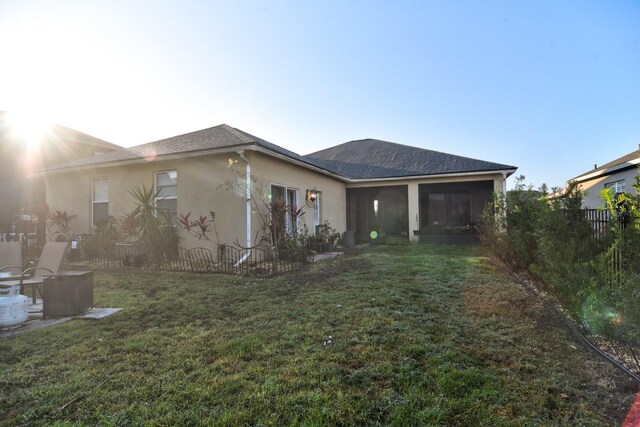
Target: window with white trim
{"points": [[292, 203], [99, 200], [317, 218], [166, 187], [290, 198], [616, 186]]}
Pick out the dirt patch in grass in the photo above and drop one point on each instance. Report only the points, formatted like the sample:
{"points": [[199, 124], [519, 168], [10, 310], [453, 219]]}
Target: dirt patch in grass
{"points": [[489, 301], [532, 343]]}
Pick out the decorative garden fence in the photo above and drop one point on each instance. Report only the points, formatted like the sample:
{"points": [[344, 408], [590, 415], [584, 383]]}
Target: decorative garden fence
{"points": [[261, 262]]}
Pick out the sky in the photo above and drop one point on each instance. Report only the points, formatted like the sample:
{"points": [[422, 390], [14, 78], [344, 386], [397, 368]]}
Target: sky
{"points": [[552, 87]]}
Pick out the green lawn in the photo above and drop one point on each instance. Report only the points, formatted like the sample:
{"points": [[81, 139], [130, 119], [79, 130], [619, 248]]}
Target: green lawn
{"points": [[404, 335]]}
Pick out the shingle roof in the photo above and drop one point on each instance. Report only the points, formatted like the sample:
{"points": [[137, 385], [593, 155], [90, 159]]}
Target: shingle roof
{"points": [[59, 132], [221, 136], [73, 135], [373, 158], [369, 158]]}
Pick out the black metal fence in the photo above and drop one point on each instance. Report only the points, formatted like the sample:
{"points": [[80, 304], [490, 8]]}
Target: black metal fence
{"points": [[601, 221], [261, 262], [610, 339]]}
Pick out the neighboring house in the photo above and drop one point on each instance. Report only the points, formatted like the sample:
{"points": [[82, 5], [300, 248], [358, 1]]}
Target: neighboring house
{"points": [[618, 175], [363, 186], [19, 158]]}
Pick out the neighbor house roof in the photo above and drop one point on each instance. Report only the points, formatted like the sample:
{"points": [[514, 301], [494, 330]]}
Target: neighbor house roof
{"points": [[373, 158], [369, 158], [625, 162], [72, 135], [628, 161], [63, 133]]}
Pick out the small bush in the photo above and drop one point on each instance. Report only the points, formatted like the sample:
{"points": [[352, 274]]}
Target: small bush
{"points": [[595, 278]]}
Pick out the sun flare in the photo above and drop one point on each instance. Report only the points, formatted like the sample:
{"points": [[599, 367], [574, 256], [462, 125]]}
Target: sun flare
{"points": [[28, 127]]}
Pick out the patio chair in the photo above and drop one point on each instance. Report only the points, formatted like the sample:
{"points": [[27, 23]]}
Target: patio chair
{"points": [[10, 257], [49, 263]]}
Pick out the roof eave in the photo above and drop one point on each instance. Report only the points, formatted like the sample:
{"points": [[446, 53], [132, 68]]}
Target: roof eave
{"points": [[141, 160], [616, 168], [227, 149], [505, 172], [254, 146], [315, 168]]}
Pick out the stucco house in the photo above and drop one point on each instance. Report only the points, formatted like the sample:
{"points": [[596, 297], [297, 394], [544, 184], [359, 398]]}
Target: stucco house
{"points": [[20, 158], [618, 175], [363, 186]]}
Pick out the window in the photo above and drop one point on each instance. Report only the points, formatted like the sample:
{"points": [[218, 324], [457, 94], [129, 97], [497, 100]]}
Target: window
{"points": [[289, 196], [167, 195], [616, 186], [292, 202], [449, 209], [100, 200], [317, 218]]}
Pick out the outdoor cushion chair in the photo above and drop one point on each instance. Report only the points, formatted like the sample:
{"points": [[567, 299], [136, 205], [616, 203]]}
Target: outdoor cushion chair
{"points": [[49, 263], [10, 257]]}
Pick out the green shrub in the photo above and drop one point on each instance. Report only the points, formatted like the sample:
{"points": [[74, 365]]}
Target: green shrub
{"points": [[595, 278], [509, 225]]}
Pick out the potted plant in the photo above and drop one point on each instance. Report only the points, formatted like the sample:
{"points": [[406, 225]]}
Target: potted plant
{"points": [[324, 238]]}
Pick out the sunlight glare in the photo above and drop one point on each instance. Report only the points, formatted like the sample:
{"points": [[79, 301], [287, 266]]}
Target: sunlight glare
{"points": [[29, 126]]}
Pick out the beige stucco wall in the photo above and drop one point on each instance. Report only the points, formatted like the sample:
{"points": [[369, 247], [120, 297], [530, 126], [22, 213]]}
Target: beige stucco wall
{"points": [[199, 179], [592, 188], [268, 170], [202, 186]]}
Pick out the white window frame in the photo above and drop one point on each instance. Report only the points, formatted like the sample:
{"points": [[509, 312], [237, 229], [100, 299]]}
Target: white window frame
{"points": [[287, 217], [93, 197], [296, 203], [617, 187], [155, 187], [317, 212]]}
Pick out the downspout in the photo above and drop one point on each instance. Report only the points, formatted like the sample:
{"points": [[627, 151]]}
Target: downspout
{"points": [[504, 183], [248, 195]]}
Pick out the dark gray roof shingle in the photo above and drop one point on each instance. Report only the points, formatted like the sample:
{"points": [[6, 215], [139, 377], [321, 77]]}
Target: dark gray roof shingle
{"points": [[364, 159], [373, 158], [221, 136]]}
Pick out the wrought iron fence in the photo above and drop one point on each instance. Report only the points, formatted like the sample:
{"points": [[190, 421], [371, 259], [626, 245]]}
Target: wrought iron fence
{"points": [[600, 220], [261, 262], [609, 340]]}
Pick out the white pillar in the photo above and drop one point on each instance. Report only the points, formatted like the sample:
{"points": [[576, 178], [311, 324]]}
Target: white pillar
{"points": [[413, 200]]}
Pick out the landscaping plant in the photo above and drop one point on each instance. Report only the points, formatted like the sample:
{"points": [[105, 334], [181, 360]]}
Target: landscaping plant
{"points": [[272, 234], [595, 278], [151, 226]]}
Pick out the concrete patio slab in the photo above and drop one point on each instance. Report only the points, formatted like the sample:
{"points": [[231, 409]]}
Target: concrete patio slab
{"points": [[37, 322], [98, 313], [320, 257]]}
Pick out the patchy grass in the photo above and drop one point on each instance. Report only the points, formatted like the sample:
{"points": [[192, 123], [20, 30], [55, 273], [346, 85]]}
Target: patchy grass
{"points": [[405, 335]]}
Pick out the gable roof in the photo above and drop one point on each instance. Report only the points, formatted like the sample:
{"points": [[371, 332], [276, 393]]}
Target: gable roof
{"points": [[625, 162], [222, 136], [628, 161], [74, 136], [364, 159], [373, 158], [63, 133]]}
